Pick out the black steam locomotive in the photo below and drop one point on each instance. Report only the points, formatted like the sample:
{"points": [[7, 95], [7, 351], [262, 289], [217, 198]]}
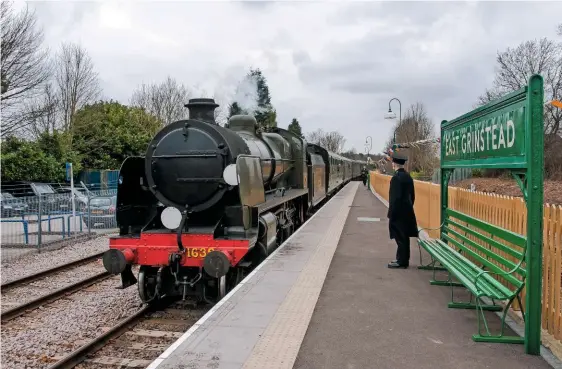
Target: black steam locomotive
{"points": [[206, 204]]}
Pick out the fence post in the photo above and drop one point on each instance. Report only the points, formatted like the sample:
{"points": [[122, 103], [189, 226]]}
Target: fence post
{"points": [[39, 221], [25, 231], [89, 216]]}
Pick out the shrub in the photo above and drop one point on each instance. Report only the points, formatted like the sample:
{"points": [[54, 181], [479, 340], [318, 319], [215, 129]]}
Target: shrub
{"points": [[415, 175], [477, 173]]}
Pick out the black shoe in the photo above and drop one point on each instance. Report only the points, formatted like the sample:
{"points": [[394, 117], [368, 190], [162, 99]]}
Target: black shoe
{"points": [[395, 265]]}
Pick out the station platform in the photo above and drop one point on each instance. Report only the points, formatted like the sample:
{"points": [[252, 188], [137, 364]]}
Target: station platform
{"points": [[326, 299]]}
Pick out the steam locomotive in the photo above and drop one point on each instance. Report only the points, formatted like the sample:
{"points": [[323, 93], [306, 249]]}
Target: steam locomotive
{"points": [[206, 204]]}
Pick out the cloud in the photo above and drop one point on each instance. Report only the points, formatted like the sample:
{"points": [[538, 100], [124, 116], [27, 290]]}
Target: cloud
{"points": [[332, 65]]}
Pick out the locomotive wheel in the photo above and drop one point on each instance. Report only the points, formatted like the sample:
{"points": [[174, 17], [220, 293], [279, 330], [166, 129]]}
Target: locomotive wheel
{"points": [[222, 287], [287, 233], [237, 276], [147, 284], [227, 283]]}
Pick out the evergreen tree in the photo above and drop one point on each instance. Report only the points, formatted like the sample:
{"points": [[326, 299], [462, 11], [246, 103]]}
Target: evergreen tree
{"points": [[261, 107], [265, 114], [295, 128], [234, 109]]}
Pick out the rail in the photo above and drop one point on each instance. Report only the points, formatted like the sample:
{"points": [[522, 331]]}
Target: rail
{"points": [[36, 276]]}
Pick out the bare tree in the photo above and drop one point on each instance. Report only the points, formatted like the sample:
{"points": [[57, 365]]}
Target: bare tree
{"points": [[516, 65], [416, 126], [45, 109], [23, 67], [77, 81], [331, 141], [165, 100], [560, 29]]}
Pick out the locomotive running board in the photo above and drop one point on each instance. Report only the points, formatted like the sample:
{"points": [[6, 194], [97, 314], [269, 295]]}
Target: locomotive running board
{"points": [[275, 201]]}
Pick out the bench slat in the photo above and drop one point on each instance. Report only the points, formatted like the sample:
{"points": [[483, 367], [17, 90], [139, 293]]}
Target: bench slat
{"points": [[496, 244], [459, 270], [508, 236], [442, 252], [494, 268], [507, 263], [468, 282]]}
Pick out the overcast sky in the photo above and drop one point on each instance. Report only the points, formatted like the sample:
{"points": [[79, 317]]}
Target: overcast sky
{"points": [[333, 65]]}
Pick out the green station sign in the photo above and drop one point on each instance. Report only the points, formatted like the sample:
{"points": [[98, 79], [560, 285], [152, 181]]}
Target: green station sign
{"points": [[489, 139]]}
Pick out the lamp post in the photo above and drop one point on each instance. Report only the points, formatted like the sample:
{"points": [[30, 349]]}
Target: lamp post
{"points": [[392, 115], [368, 144]]}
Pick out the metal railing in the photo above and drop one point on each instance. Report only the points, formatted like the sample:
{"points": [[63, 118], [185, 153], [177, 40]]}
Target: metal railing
{"points": [[32, 223]]}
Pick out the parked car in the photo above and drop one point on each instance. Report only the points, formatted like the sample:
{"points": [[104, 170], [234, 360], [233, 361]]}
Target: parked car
{"points": [[80, 199], [31, 192], [26, 189], [101, 212], [12, 206]]}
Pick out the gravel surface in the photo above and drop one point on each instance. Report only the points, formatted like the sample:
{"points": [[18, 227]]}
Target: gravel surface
{"points": [[38, 262], [22, 294], [31, 341]]}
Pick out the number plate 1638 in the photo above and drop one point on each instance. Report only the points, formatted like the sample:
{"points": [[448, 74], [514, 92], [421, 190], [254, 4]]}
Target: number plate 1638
{"points": [[197, 252]]}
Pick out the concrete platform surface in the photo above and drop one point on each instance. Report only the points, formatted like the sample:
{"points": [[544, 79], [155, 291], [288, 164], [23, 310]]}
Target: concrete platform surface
{"points": [[369, 316]]}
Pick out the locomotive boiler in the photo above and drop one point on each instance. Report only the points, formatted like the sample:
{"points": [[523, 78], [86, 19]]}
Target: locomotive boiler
{"points": [[206, 204]]}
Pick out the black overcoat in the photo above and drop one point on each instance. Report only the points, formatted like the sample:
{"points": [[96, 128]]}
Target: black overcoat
{"points": [[401, 216]]}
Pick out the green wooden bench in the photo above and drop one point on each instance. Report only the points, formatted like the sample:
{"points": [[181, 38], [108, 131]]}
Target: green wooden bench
{"points": [[453, 250], [493, 263]]}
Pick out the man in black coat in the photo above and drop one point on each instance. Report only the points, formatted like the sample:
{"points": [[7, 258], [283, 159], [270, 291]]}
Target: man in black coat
{"points": [[364, 175], [402, 222]]}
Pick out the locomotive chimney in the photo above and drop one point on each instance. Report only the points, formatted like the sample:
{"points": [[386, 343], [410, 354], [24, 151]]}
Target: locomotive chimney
{"points": [[202, 109]]}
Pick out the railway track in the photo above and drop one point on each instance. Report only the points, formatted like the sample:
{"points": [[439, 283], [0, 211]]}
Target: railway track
{"points": [[34, 277], [19, 310], [136, 341], [8, 314]]}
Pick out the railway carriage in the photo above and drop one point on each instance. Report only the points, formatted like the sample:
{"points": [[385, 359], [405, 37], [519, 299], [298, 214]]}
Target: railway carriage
{"points": [[206, 204]]}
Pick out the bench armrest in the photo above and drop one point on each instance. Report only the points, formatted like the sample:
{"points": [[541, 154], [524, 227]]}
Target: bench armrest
{"points": [[431, 229], [499, 274]]}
